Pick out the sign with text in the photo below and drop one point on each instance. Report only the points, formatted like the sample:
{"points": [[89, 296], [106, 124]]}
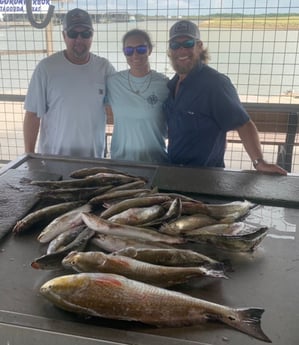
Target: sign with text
{"points": [[19, 6]]}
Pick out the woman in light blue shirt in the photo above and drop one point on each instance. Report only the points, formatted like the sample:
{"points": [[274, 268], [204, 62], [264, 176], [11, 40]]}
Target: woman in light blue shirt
{"points": [[136, 96]]}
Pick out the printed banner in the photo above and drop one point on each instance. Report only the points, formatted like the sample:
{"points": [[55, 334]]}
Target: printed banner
{"points": [[19, 6]]}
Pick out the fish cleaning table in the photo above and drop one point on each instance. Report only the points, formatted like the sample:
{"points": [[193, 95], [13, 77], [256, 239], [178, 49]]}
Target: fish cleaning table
{"points": [[267, 278]]}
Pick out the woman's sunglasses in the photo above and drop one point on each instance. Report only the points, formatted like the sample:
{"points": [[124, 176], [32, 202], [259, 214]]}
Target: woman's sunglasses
{"points": [[175, 45], [129, 51], [74, 34]]}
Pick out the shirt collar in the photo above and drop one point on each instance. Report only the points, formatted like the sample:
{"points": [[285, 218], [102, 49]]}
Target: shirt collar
{"points": [[172, 82]]}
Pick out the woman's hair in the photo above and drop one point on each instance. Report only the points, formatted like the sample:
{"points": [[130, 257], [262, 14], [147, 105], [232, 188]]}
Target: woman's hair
{"points": [[138, 32]]}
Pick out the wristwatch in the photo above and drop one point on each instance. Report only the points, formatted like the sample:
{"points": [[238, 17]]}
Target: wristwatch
{"points": [[257, 161]]}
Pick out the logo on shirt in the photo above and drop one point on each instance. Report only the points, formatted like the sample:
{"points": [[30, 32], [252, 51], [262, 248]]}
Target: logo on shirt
{"points": [[101, 91], [152, 99]]}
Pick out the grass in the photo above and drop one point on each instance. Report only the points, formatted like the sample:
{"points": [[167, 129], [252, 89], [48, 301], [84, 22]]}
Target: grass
{"points": [[255, 23]]}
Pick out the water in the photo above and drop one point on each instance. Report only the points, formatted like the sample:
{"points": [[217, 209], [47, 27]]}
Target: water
{"points": [[259, 63]]}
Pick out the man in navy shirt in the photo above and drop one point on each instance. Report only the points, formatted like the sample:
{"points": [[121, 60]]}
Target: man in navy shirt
{"points": [[202, 106]]}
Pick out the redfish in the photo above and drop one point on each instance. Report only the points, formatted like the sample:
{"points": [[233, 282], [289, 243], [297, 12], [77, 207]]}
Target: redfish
{"points": [[170, 257], [116, 297], [158, 275]]}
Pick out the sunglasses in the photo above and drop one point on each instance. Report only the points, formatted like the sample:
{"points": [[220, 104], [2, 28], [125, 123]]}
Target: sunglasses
{"points": [[129, 51], [174, 45], [74, 34]]}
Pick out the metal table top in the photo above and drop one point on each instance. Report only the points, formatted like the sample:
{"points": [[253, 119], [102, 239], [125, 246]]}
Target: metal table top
{"points": [[267, 278]]}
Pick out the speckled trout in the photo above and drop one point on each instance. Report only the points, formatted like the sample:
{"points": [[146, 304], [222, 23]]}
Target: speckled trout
{"points": [[103, 226], [110, 243], [62, 223], [235, 208], [100, 179], [46, 214], [116, 297], [84, 172]]}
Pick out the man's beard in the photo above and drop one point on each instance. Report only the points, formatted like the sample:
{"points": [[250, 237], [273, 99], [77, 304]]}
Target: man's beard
{"points": [[183, 69]]}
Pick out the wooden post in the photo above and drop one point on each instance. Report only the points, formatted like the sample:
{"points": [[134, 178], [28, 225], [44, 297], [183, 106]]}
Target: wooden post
{"points": [[49, 38]]}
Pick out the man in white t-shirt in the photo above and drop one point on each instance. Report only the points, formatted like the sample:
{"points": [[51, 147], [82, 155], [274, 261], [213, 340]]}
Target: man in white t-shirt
{"points": [[64, 104]]}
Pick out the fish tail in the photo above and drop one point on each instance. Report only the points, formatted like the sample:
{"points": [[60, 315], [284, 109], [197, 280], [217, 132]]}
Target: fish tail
{"points": [[248, 320], [218, 266], [217, 273]]}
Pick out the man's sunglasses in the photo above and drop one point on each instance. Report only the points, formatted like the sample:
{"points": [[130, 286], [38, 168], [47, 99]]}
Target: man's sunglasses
{"points": [[74, 34], [174, 45], [129, 51]]}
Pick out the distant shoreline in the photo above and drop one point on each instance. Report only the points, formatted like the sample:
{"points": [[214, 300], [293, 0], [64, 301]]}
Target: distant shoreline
{"points": [[218, 22], [254, 23]]}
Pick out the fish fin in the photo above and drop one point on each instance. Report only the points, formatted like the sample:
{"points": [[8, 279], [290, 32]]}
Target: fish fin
{"points": [[215, 273], [218, 266], [106, 204], [109, 281], [165, 228], [121, 260], [35, 265], [16, 229], [154, 190], [128, 251], [247, 320]]}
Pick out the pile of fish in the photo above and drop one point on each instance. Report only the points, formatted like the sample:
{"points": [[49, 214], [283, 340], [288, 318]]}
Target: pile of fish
{"points": [[140, 236]]}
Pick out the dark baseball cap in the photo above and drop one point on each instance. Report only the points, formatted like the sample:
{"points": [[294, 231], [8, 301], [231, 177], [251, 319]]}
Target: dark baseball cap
{"points": [[184, 28], [77, 17]]}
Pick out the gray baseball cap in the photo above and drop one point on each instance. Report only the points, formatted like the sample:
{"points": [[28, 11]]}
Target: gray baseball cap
{"points": [[77, 17], [184, 28]]}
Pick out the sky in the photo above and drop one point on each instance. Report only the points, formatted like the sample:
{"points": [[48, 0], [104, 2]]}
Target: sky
{"points": [[161, 7], [191, 7]]}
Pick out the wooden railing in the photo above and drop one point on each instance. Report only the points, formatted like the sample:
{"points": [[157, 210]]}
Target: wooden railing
{"points": [[279, 119]]}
